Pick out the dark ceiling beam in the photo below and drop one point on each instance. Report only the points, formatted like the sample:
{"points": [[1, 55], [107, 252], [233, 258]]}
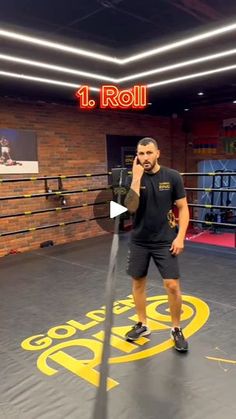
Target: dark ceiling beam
{"points": [[154, 21], [104, 4], [77, 20], [203, 8], [180, 6], [109, 3], [197, 8], [134, 15]]}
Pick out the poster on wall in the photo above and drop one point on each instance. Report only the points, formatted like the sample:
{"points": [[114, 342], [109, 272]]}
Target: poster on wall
{"points": [[128, 155], [229, 135], [18, 151]]}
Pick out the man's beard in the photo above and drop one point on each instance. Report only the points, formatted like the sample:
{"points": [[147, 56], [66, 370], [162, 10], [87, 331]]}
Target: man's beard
{"points": [[149, 167]]}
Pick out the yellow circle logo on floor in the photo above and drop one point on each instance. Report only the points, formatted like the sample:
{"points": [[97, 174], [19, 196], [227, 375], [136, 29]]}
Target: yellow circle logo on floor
{"points": [[60, 346]]}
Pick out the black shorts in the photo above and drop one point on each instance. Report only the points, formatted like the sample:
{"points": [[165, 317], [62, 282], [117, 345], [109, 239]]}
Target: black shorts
{"points": [[139, 257]]}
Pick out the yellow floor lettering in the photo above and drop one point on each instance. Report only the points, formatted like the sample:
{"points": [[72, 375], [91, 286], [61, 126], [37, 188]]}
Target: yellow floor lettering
{"points": [[78, 368], [117, 343]]}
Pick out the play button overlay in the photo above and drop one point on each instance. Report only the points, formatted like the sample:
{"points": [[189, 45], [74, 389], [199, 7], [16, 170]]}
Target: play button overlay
{"points": [[116, 209], [106, 209]]}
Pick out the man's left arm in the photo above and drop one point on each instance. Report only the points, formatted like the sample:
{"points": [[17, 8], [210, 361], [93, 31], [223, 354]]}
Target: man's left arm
{"points": [[178, 243]]}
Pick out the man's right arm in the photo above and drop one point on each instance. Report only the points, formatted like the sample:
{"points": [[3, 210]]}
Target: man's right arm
{"points": [[132, 198]]}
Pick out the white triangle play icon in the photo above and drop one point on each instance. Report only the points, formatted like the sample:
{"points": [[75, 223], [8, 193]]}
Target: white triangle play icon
{"points": [[116, 209]]}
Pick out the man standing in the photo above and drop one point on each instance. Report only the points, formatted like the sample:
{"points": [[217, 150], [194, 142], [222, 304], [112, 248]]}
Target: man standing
{"points": [[154, 190]]}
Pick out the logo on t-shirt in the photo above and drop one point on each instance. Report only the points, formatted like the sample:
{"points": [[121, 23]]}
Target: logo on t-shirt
{"points": [[164, 186]]}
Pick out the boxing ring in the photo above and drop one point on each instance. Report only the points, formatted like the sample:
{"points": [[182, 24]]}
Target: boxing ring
{"points": [[53, 314]]}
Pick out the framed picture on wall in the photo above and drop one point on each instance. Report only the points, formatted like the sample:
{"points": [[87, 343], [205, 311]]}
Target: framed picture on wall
{"points": [[18, 151]]}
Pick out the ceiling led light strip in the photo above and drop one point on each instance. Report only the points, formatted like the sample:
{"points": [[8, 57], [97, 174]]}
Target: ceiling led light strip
{"points": [[183, 42], [55, 67], [192, 76], [54, 45], [179, 65], [43, 80], [102, 57]]}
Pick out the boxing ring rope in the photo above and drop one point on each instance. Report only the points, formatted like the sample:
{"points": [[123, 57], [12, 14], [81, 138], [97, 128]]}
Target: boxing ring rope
{"points": [[56, 193], [74, 191], [211, 206], [78, 176], [63, 224], [209, 174], [34, 178], [56, 209], [211, 189]]}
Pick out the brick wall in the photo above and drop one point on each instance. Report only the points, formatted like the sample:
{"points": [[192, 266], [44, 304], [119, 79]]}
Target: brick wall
{"points": [[71, 142]]}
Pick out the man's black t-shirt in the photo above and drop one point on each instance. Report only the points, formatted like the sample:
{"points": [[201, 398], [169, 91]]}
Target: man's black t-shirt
{"points": [[154, 221]]}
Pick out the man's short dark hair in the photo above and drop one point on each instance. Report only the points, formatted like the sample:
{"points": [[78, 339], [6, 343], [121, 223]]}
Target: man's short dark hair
{"points": [[147, 140]]}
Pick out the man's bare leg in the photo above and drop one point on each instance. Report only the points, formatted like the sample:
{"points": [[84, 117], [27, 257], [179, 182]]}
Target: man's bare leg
{"points": [[172, 287], [139, 294]]}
